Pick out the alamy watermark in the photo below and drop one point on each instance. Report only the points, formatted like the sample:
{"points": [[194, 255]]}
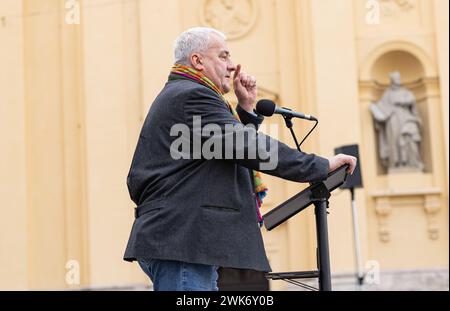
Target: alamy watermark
{"points": [[372, 269], [229, 141], [373, 14], [73, 272], [72, 16]]}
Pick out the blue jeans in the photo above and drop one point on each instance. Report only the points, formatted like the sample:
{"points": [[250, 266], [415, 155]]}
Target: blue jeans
{"points": [[169, 275]]}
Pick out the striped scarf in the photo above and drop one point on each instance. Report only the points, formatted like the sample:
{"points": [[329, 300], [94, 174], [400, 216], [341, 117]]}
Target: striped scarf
{"points": [[260, 189]]}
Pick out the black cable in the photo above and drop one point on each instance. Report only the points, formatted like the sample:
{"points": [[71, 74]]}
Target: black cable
{"points": [[317, 122], [300, 284]]}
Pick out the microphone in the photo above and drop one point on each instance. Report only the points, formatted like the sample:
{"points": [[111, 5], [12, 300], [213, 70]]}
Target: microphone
{"points": [[267, 108]]}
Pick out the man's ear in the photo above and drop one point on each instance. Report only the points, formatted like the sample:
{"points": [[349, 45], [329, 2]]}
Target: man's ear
{"points": [[197, 62]]}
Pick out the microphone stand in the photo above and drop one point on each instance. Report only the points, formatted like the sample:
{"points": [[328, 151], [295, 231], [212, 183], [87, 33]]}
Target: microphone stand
{"points": [[289, 125]]}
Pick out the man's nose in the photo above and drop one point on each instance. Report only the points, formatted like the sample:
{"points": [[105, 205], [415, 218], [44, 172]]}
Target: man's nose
{"points": [[231, 66]]}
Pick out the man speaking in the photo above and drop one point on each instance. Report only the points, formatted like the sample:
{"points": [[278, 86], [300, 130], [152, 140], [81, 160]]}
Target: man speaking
{"points": [[195, 212]]}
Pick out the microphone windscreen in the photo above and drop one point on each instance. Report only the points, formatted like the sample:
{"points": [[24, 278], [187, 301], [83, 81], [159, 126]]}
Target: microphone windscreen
{"points": [[266, 107]]}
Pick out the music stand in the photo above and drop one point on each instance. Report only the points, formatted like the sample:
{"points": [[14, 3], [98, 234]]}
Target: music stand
{"points": [[318, 194]]}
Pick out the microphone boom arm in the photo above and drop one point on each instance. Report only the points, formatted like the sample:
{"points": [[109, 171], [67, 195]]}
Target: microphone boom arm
{"points": [[289, 125]]}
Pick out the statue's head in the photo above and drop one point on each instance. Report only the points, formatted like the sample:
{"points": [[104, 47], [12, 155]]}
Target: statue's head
{"points": [[395, 78]]}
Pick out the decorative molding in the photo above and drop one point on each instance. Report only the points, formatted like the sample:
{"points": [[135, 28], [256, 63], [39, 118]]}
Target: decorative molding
{"points": [[267, 94], [428, 199], [403, 193], [383, 209], [432, 206], [233, 17], [368, 87], [429, 65], [262, 93]]}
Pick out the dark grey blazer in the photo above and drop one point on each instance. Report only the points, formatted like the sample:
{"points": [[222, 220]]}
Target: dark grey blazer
{"points": [[200, 210]]}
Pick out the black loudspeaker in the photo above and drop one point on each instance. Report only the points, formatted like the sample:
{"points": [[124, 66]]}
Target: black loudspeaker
{"points": [[355, 180]]}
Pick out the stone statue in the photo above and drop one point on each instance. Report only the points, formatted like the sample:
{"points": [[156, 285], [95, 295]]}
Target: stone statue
{"points": [[399, 128]]}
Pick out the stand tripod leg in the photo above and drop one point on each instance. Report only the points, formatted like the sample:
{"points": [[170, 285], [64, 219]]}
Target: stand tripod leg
{"points": [[356, 239], [322, 244]]}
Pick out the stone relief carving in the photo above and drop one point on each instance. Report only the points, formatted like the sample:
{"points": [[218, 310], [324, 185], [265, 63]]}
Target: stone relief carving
{"points": [[387, 201], [234, 17], [391, 8], [398, 126]]}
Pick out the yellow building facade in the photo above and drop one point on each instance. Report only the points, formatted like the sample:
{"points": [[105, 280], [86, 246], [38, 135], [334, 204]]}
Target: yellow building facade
{"points": [[77, 78]]}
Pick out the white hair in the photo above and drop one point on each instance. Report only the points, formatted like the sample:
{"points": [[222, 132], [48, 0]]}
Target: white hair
{"points": [[193, 40]]}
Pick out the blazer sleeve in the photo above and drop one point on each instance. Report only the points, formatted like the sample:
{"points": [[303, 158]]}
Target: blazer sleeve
{"points": [[211, 122], [249, 118]]}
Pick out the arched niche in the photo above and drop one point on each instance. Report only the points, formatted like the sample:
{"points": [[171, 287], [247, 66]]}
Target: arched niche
{"points": [[417, 74], [389, 192], [406, 63], [366, 68]]}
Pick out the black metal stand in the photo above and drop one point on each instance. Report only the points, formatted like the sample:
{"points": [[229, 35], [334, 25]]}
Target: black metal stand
{"points": [[320, 195], [317, 194]]}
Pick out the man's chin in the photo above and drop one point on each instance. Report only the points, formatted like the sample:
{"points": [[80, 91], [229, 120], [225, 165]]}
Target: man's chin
{"points": [[226, 88]]}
